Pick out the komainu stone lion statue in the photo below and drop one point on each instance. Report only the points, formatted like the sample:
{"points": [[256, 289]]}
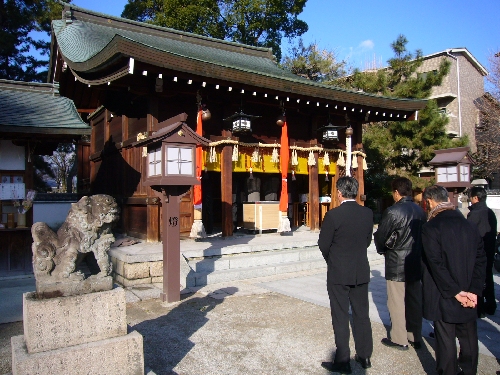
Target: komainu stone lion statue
{"points": [[87, 229]]}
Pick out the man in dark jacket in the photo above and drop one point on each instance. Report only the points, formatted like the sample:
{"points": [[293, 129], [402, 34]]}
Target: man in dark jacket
{"points": [[345, 236], [401, 224], [486, 222], [453, 276]]}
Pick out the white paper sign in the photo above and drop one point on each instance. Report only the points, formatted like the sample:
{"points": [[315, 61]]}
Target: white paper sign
{"points": [[12, 191]]}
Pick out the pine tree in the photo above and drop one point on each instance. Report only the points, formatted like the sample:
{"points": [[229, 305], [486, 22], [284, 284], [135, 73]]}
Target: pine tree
{"points": [[22, 57], [402, 148], [315, 64]]}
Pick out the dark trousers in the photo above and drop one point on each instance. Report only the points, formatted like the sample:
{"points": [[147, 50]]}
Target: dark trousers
{"points": [[487, 302], [340, 298], [446, 347]]}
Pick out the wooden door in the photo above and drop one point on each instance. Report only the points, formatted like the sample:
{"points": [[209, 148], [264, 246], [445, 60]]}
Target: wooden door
{"points": [[186, 214]]}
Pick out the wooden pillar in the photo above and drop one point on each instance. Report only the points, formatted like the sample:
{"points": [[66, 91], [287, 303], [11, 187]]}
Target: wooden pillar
{"points": [[83, 166], [28, 178], [361, 180], [171, 246], [152, 117], [314, 195], [152, 208], [226, 175], [153, 218], [335, 202], [359, 173]]}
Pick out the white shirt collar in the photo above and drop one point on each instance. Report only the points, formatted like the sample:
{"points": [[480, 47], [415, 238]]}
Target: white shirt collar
{"points": [[349, 200]]}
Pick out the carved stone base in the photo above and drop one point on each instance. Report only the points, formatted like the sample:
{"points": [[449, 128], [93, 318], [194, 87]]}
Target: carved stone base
{"points": [[122, 355], [73, 288], [54, 323], [84, 334], [284, 225], [198, 230]]}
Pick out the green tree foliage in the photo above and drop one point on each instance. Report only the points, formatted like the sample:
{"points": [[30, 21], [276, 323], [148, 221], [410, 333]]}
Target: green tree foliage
{"points": [[261, 23], [402, 148], [315, 64], [487, 157], [59, 167], [22, 56]]}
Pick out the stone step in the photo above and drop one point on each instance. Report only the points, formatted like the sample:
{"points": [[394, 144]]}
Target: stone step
{"points": [[195, 279], [247, 260], [217, 269]]}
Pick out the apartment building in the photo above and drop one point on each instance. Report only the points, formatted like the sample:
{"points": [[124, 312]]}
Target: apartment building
{"points": [[460, 89]]}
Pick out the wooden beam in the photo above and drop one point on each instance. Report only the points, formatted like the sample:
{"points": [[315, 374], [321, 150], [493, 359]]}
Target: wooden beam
{"points": [[334, 202], [314, 195], [226, 174]]}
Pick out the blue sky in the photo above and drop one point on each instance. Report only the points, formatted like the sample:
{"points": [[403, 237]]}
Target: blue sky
{"points": [[363, 30]]}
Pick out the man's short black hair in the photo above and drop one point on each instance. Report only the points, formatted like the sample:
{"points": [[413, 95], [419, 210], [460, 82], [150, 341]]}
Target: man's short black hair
{"points": [[348, 186], [437, 193], [479, 192], [403, 186]]}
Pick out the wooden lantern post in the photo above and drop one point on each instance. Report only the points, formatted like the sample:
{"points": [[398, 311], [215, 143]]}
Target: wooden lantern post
{"points": [[171, 171]]}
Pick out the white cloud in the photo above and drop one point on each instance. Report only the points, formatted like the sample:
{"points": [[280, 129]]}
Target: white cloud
{"points": [[366, 45]]}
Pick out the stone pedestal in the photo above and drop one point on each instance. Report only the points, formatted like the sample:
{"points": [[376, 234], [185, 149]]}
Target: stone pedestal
{"points": [[84, 334]]}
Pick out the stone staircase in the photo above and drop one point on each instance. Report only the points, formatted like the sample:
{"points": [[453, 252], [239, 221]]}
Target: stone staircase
{"points": [[238, 266]]}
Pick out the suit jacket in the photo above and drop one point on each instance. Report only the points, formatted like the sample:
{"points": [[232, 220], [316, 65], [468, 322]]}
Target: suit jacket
{"points": [[486, 222], [454, 260], [345, 235]]}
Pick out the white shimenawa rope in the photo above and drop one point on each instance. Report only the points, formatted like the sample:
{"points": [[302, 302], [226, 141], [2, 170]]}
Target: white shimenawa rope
{"points": [[311, 160], [348, 156], [236, 155], [275, 158], [326, 159]]}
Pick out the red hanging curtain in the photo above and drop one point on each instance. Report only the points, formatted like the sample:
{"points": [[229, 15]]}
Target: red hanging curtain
{"points": [[199, 165], [284, 156]]}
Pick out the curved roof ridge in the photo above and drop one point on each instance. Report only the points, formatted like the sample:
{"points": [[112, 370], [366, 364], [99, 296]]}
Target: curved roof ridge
{"points": [[236, 45]]}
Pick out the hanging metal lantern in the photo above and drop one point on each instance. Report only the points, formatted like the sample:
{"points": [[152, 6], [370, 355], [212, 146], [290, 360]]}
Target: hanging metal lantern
{"points": [[242, 123], [330, 133], [205, 113], [280, 121]]}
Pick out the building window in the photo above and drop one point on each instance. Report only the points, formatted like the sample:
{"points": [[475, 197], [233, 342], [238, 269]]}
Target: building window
{"points": [[447, 174], [179, 161], [155, 162], [424, 75], [464, 173]]}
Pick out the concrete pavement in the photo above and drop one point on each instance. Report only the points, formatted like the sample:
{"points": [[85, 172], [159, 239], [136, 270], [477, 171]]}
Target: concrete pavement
{"points": [[270, 325]]}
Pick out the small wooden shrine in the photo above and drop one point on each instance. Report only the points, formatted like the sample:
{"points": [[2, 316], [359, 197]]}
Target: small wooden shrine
{"points": [[132, 76]]}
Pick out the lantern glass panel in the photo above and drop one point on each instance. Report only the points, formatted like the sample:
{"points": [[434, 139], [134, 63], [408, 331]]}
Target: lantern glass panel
{"points": [[179, 161], [464, 173], [154, 159], [330, 135], [242, 124]]}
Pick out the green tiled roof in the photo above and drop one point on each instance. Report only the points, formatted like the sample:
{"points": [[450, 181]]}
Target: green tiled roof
{"points": [[89, 42], [38, 108], [81, 40]]}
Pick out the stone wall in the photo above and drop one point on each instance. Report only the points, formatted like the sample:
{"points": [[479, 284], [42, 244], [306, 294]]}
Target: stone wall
{"points": [[130, 274]]}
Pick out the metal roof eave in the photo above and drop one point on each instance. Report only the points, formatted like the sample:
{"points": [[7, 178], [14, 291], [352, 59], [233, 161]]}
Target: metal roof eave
{"points": [[46, 130], [323, 91]]}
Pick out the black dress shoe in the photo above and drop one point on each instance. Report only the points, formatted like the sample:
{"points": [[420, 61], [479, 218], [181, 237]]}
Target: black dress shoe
{"points": [[415, 344], [364, 362], [391, 344], [340, 367]]}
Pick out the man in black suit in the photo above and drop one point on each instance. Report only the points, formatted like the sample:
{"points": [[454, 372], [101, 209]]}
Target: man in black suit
{"points": [[453, 277], [486, 221], [345, 236]]}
